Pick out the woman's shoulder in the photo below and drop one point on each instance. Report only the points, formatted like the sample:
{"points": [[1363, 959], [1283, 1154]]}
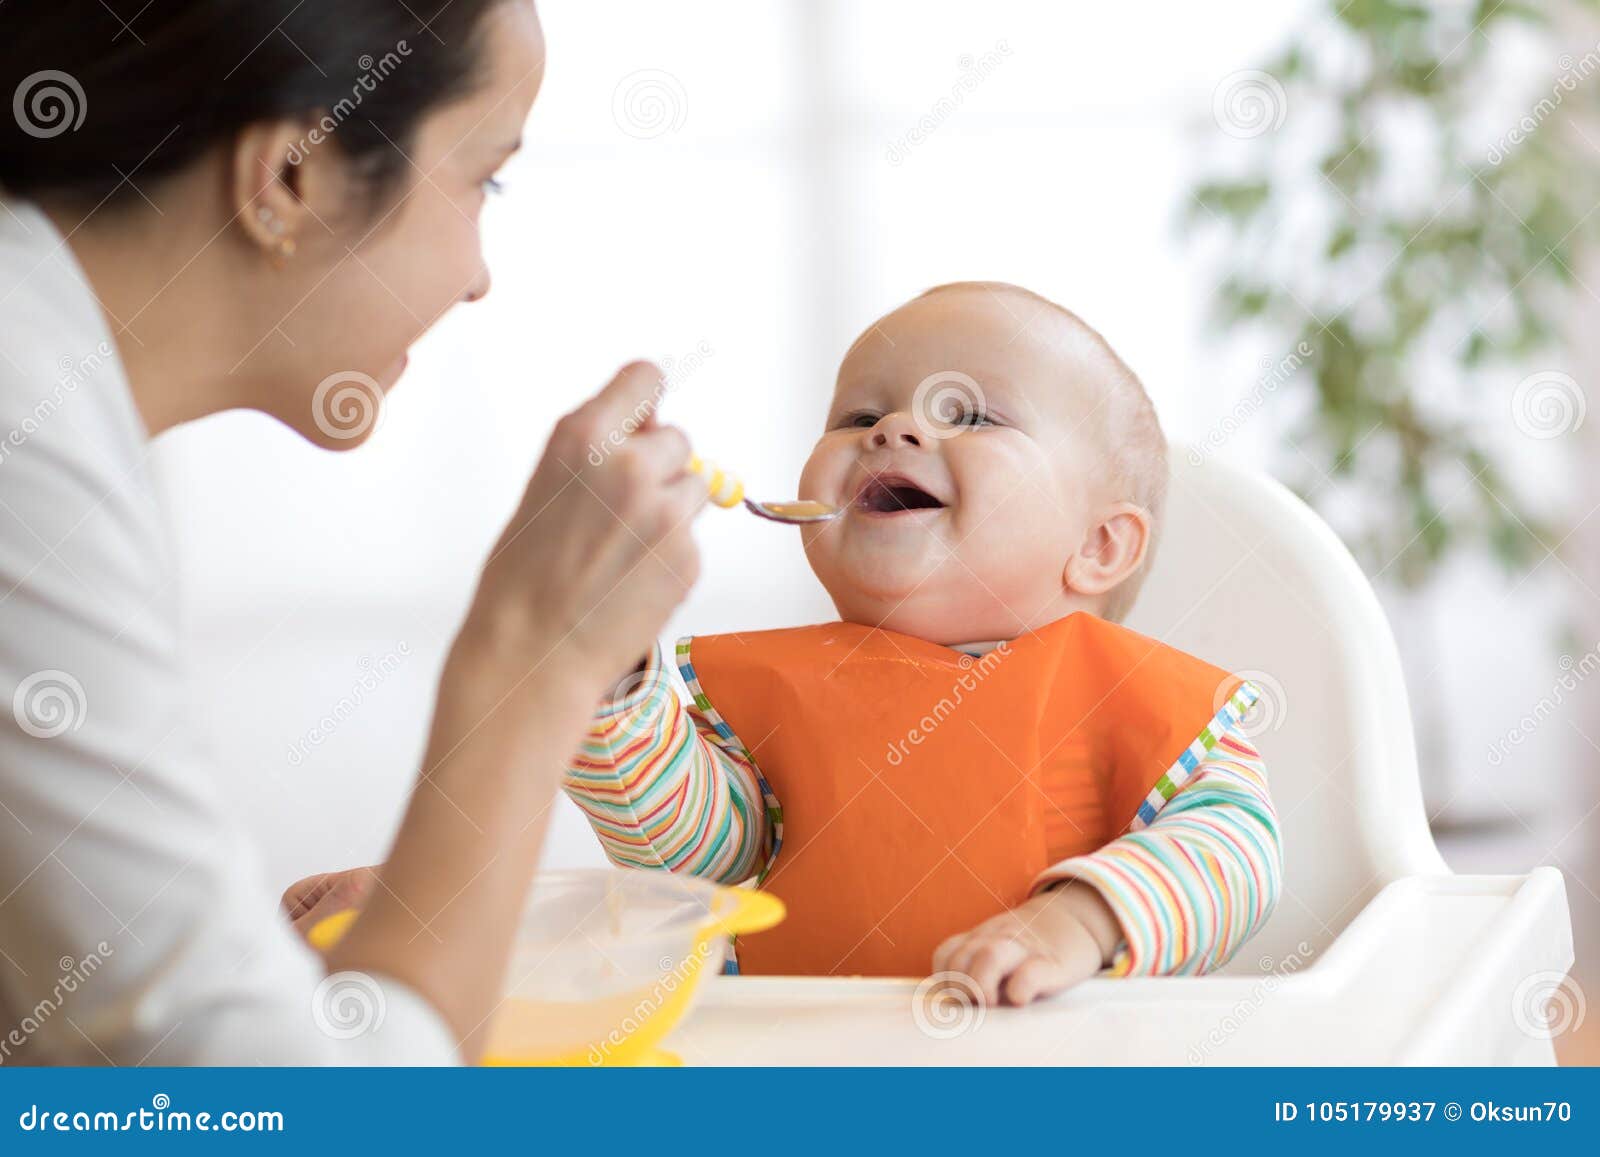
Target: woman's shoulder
{"points": [[73, 476]]}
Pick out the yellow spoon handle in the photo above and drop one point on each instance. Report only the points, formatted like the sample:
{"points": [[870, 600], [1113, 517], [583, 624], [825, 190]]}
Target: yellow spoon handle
{"points": [[726, 490]]}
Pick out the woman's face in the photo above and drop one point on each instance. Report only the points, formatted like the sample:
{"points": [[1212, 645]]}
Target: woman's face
{"points": [[362, 286]]}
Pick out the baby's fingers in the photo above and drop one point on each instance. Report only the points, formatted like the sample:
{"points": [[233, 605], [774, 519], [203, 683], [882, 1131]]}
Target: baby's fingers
{"points": [[946, 952], [989, 961], [1035, 977]]}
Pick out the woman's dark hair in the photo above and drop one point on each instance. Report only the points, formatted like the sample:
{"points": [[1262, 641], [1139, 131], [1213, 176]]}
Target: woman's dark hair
{"points": [[95, 94]]}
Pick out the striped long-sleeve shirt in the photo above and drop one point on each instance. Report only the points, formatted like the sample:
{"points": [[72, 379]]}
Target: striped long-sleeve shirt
{"points": [[1188, 886]]}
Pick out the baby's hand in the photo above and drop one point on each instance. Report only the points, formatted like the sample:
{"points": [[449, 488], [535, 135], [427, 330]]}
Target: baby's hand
{"points": [[1042, 946]]}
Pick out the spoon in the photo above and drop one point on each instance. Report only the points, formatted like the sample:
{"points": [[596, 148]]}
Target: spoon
{"points": [[728, 492]]}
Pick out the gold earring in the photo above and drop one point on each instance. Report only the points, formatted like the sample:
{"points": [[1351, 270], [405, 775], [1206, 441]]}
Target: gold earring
{"points": [[285, 245]]}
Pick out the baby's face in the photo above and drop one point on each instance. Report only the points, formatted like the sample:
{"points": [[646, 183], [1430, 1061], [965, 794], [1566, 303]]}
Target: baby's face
{"points": [[958, 445]]}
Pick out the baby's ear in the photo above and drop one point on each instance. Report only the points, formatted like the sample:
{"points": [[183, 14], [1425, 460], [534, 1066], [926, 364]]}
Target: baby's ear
{"points": [[1112, 549]]}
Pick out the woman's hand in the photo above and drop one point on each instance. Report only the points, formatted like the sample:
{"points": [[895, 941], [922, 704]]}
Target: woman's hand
{"points": [[599, 553], [307, 902], [579, 585]]}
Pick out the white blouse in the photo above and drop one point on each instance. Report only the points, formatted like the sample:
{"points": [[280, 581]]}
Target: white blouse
{"points": [[136, 926]]}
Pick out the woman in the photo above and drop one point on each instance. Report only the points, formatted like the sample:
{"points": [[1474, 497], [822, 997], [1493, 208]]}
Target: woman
{"points": [[213, 204]]}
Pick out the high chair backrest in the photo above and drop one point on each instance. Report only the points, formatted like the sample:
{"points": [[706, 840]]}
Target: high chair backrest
{"points": [[1248, 578]]}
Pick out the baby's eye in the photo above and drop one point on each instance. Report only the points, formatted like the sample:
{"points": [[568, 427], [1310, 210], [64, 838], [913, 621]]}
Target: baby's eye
{"points": [[858, 419]]}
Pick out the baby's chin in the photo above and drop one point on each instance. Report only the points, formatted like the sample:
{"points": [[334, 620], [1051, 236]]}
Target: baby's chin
{"points": [[935, 609], [946, 627]]}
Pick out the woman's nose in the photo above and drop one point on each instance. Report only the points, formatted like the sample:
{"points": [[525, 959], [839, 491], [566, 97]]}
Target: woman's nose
{"points": [[894, 430]]}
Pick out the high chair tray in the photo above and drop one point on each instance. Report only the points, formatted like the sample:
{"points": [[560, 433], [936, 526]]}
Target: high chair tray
{"points": [[1451, 970]]}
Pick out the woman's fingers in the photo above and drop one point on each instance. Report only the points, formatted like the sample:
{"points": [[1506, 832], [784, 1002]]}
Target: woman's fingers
{"points": [[624, 407], [301, 894], [308, 901], [663, 451], [600, 552]]}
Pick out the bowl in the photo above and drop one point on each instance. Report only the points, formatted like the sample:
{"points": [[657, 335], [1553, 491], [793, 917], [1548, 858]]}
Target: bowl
{"points": [[606, 962]]}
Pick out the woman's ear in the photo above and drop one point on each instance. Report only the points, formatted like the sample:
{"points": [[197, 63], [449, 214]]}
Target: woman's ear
{"points": [[272, 170], [1112, 549]]}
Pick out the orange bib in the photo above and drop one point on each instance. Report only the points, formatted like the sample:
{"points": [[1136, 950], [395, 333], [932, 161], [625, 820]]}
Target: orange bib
{"points": [[916, 791]]}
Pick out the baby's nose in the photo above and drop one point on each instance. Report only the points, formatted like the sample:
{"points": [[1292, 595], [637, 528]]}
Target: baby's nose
{"points": [[895, 430]]}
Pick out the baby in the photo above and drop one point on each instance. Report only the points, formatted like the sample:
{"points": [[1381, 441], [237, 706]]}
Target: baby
{"points": [[977, 770]]}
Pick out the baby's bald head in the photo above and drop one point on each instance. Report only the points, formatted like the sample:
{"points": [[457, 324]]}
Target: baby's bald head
{"points": [[1109, 402], [999, 466]]}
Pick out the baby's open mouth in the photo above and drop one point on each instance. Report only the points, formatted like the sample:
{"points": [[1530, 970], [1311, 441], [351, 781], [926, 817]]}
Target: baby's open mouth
{"points": [[892, 494]]}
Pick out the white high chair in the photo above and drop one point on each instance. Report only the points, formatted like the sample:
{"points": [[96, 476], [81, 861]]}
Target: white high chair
{"points": [[1376, 954]]}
